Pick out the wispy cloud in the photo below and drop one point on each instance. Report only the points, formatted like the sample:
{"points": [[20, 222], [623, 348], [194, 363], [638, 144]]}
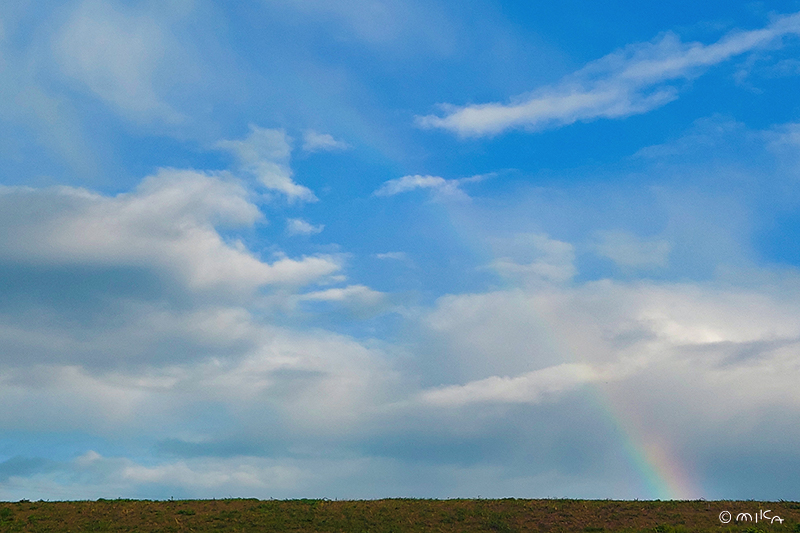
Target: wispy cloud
{"points": [[528, 388], [382, 23], [634, 80], [435, 183], [117, 55], [298, 226], [534, 258], [395, 256], [352, 295], [265, 154], [321, 142], [409, 183], [630, 251]]}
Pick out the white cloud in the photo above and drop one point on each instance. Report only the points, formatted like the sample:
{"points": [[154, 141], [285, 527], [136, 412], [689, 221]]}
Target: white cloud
{"points": [[396, 256], [167, 223], [353, 300], [531, 258], [409, 183], [697, 356], [632, 81], [111, 378], [715, 365], [265, 155], [316, 142], [443, 187], [239, 473], [298, 226], [124, 301], [644, 338], [531, 387], [623, 336], [93, 475], [534, 271], [630, 251], [319, 383], [69, 398], [353, 294]]}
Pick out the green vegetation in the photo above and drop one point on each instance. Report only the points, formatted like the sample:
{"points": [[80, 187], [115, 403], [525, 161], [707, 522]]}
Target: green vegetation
{"points": [[396, 515]]}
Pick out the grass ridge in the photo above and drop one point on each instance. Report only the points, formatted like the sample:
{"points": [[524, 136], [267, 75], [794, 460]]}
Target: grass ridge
{"points": [[394, 515]]}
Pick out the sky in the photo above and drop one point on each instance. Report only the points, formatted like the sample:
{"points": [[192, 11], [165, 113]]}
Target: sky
{"points": [[383, 248]]}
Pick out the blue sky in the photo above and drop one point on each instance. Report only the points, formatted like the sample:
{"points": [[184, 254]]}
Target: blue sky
{"points": [[374, 248]]}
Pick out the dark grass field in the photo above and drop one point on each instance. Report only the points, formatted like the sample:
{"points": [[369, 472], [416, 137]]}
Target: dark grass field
{"points": [[395, 515]]}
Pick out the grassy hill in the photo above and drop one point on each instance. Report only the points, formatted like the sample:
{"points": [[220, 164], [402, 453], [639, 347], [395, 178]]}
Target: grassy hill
{"points": [[396, 515]]}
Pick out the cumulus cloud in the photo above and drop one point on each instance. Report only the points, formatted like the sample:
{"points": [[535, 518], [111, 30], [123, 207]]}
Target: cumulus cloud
{"points": [[632, 81], [298, 226], [321, 142], [168, 223], [711, 363], [140, 278], [265, 154], [697, 356], [620, 335], [133, 311], [624, 334], [315, 383]]}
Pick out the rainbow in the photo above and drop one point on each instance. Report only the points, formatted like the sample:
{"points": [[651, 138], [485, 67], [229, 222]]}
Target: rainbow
{"points": [[664, 474]]}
